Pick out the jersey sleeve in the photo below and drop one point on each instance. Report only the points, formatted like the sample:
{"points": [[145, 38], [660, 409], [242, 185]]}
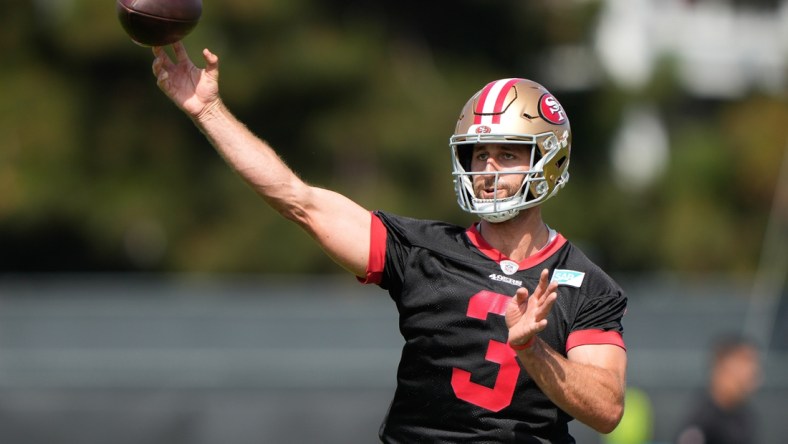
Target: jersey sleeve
{"points": [[599, 321], [389, 248]]}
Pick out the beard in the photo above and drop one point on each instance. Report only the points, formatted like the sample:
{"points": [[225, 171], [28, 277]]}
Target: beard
{"points": [[483, 187]]}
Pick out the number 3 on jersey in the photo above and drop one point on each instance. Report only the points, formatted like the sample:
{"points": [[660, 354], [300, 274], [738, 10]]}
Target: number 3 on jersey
{"points": [[500, 395]]}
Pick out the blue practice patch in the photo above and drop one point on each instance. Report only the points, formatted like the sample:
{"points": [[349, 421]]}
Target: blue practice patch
{"points": [[570, 278]]}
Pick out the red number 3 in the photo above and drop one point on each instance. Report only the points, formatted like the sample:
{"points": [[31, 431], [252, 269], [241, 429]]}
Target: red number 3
{"points": [[500, 396]]}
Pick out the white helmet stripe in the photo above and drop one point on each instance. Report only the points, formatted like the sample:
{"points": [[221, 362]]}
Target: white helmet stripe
{"points": [[491, 101]]}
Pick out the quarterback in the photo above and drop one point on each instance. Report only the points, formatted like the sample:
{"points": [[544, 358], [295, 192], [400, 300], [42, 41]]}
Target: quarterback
{"points": [[510, 330]]}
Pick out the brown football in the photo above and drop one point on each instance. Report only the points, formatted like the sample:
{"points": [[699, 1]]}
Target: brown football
{"points": [[158, 22]]}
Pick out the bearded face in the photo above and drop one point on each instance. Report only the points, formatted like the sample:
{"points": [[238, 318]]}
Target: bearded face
{"points": [[505, 165], [499, 185]]}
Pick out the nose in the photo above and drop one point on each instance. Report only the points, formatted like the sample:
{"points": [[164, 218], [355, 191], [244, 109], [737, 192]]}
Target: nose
{"points": [[489, 174], [490, 165]]}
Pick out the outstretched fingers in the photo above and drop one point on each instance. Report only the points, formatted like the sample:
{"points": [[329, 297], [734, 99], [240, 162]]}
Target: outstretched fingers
{"points": [[545, 288], [162, 65], [544, 296], [528, 311], [180, 52], [544, 291]]}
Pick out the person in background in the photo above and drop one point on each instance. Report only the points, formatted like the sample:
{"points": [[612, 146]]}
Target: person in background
{"points": [[723, 414]]}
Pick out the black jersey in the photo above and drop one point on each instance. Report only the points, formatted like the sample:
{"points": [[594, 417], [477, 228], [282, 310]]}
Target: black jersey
{"points": [[458, 380]]}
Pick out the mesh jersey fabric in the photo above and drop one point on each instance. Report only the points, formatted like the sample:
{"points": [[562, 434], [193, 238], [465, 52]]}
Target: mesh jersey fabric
{"points": [[457, 380]]}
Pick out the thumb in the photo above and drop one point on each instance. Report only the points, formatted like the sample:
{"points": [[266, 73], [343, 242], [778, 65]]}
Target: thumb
{"points": [[211, 63]]}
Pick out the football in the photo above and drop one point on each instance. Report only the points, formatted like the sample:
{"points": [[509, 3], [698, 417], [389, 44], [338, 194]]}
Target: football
{"points": [[158, 22]]}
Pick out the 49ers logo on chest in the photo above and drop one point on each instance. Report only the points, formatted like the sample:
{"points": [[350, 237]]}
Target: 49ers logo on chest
{"points": [[551, 110]]}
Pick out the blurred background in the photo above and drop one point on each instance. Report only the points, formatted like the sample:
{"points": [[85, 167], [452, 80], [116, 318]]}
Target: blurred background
{"points": [[148, 295]]}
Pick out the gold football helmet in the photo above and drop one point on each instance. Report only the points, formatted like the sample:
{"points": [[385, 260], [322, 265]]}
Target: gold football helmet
{"points": [[512, 111]]}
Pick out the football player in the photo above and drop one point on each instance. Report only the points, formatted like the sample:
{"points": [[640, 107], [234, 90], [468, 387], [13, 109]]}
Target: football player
{"points": [[510, 330]]}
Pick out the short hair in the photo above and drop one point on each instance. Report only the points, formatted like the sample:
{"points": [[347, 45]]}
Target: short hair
{"points": [[725, 345]]}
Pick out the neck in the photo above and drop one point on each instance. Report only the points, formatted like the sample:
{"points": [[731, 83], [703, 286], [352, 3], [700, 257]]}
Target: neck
{"points": [[519, 237]]}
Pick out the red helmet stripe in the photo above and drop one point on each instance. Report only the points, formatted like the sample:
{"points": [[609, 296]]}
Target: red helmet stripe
{"points": [[492, 100], [477, 118], [501, 98]]}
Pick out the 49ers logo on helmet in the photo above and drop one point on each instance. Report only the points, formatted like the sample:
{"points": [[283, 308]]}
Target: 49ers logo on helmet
{"points": [[483, 129], [551, 110]]}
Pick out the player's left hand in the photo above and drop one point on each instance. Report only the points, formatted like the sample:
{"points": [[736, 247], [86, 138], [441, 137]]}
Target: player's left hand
{"points": [[526, 314]]}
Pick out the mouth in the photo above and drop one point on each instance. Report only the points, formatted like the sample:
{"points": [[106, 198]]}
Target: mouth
{"points": [[490, 193], [491, 188]]}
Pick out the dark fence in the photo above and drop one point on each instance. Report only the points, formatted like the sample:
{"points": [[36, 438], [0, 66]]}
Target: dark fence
{"points": [[256, 359]]}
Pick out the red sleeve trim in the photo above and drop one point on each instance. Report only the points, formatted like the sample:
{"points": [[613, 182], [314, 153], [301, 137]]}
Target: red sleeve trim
{"points": [[377, 252], [594, 337]]}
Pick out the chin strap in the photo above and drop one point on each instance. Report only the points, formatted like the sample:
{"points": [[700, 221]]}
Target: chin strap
{"points": [[486, 207], [500, 216]]}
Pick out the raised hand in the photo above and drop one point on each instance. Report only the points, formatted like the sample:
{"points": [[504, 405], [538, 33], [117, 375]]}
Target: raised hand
{"points": [[192, 89], [526, 314]]}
